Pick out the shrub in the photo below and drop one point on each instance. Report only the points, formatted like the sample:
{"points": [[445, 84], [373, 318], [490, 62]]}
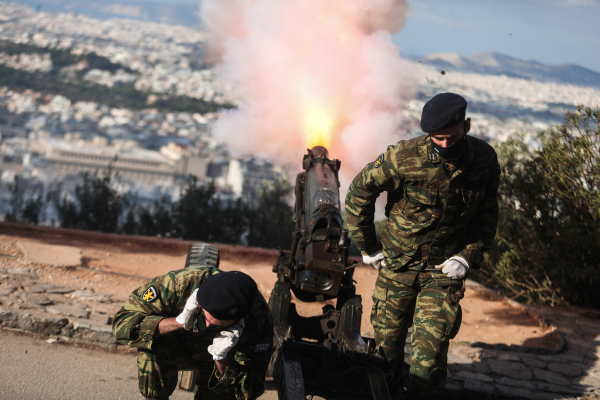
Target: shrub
{"points": [[546, 248]]}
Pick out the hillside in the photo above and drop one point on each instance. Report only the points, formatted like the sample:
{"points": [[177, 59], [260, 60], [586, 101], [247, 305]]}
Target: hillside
{"points": [[500, 64]]}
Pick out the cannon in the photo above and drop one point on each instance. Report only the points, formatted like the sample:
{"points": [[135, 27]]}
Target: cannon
{"points": [[323, 355]]}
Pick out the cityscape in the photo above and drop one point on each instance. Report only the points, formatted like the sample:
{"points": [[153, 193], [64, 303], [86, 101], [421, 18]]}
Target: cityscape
{"points": [[157, 140]]}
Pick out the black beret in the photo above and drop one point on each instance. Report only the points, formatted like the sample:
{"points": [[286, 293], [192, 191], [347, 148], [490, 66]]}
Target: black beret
{"points": [[444, 110], [228, 295]]}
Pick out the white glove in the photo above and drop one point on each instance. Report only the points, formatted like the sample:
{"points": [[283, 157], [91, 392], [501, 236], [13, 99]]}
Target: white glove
{"points": [[225, 340], [188, 315], [375, 260], [455, 267]]}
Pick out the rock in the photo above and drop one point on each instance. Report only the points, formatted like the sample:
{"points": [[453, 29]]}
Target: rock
{"points": [[509, 391], [450, 392], [571, 356], [511, 369], [28, 306], [508, 357], [21, 273], [60, 290], [57, 298], [552, 377], [533, 362], [38, 298], [588, 380], [565, 369], [478, 390], [487, 354], [26, 322], [470, 375], [69, 311], [90, 295], [40, 288], [517, 383], [558, 389]]}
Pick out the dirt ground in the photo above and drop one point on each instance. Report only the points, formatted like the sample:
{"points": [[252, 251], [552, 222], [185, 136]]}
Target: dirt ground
{"points": [[116, 265]]}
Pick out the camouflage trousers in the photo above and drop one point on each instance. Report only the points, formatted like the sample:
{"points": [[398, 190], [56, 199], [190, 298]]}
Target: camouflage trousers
{"points": [[434, 312], [178, 351]]}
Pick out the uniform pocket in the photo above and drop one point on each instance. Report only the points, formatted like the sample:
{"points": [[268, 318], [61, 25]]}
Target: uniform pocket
{"points": [[418, 205]]}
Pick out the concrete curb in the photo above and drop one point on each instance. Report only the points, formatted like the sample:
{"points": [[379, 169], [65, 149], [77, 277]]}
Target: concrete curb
{"points": [[554, 332]]}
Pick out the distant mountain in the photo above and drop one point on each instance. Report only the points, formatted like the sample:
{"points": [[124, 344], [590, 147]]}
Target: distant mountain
{"points": [[501, 64], [174, 14]]}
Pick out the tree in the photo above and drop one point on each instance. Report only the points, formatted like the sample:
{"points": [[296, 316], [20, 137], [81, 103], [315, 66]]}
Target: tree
{"points": [[546, 248], [271, 219], [98, 206], [27, 210]]}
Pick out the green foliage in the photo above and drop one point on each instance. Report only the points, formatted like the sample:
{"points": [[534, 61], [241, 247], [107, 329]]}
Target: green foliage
{"points": [[271, 220], [29, 210], [546, 248], [62, 57], [98, 206]]}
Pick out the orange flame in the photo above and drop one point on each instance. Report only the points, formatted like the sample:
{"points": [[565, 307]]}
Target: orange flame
{"points": [[318, 128]]}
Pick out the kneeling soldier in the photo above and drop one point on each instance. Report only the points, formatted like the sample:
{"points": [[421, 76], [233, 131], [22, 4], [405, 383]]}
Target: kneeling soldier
{"points": [[202, 319]]}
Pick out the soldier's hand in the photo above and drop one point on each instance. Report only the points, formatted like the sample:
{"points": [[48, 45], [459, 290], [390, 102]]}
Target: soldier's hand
{"points": [[188, 315], [455, 267], [375, 260], [225, 340]]}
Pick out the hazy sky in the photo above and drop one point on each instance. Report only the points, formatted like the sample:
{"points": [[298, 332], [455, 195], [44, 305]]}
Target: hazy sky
{"points": [[549, 31]]}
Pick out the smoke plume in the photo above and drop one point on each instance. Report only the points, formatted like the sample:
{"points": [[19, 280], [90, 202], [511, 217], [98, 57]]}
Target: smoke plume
{"points": [[310, 72]]}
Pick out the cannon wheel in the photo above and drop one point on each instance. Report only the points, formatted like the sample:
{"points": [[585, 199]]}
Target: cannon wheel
{"points": [[203, 254], [198, 254]]}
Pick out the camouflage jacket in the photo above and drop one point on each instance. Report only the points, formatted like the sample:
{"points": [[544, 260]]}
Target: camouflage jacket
{"points": [[437, 213], [135, 323]]}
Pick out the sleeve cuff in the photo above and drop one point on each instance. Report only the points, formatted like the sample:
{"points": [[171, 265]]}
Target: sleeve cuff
{"points": [[218, 383], [147, 329]]}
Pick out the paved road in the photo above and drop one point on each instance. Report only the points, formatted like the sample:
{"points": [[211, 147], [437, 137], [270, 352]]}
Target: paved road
{"points": [[33, 369]]}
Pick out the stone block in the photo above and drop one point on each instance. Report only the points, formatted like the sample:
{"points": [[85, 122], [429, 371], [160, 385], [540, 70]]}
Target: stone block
{"points": [[478, 390], [511, 392], [565, 369], [558, 389], [588, 380], [534, 362], [60, 290], [487, 354], [511, 369], [450, 392], [21, 273], [68, 311], [508, 357], [551, 377], [38, 298], [90, 295], [465, 375], [529, 385], [35, 324]]}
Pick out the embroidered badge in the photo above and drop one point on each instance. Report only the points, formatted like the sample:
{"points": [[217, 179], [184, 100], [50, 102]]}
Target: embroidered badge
{"points": [[432, 156], [379, 161], [261, 347], [451, 165], [150, 295], [232, 311]]}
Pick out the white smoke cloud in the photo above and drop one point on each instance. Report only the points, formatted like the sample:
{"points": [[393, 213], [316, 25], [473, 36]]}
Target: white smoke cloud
{"points": [[310, 65]]}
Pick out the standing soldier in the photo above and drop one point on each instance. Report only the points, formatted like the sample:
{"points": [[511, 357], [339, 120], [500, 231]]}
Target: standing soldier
{"points": [[203, 319], [442, 215]]}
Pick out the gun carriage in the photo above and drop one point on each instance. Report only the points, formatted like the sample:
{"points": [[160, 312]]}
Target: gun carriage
{"points": [[323, 355]]}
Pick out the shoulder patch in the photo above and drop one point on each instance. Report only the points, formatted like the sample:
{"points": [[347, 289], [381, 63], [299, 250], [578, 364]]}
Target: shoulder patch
{"points": [[379, 161], [150, 295]]}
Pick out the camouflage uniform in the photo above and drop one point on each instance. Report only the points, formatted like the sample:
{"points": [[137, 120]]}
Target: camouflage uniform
{"points": [[159, 359], [436, 214]]}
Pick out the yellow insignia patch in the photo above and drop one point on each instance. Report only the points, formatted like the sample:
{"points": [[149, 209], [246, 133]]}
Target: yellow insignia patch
{"points": [[451, 165], [233, 311], [150, 295], [379, 161]]}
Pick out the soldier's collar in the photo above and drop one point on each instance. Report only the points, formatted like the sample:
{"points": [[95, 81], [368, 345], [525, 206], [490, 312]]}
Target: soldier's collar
{"points": [[432, 156]]}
